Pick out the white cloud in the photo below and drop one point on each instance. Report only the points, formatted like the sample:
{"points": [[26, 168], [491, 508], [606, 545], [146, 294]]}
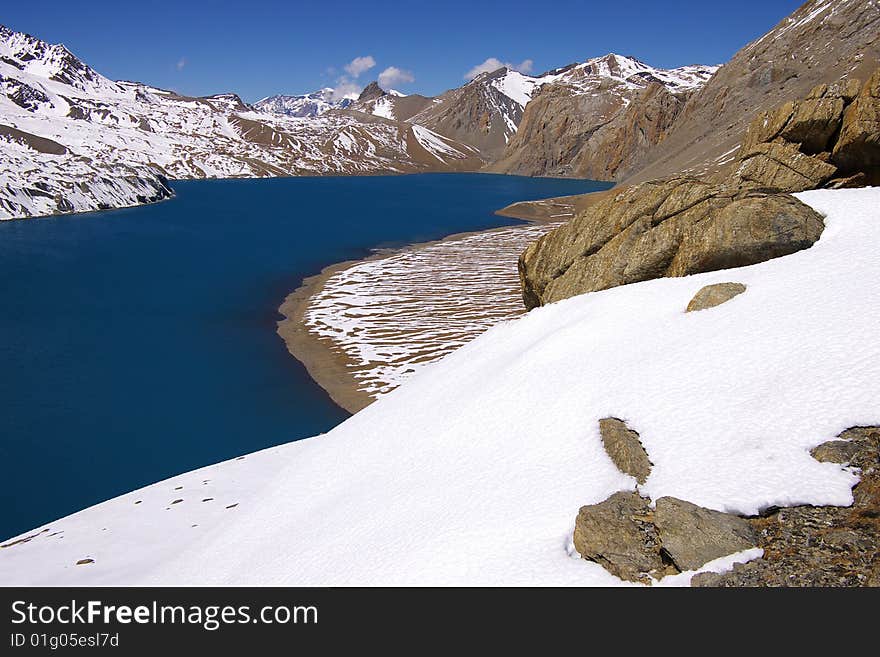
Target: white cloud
{"points": [[346, 88], [393, 76], [181, 63], [493, 64], [360, 64]]}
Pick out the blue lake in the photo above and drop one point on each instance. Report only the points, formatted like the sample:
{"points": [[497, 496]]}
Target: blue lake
{"points": [[137, 344]]}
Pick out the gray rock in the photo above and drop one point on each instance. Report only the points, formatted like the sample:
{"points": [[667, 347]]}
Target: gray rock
{"points": [[619, 535], [714, 295], [625, 448], [692, 535]]}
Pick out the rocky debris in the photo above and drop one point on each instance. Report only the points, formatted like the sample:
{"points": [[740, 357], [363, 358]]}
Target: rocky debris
{"points": [[637, 543], [619, 535], [692, 535], [714, 295], [671, 227], [625, 448], [820, 546]]}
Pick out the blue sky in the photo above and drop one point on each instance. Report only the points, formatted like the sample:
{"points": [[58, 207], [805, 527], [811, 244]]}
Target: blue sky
{"points": [[259, 48]]}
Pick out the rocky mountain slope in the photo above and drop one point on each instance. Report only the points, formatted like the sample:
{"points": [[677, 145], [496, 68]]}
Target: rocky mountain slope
{"points": [[72, 140], [488, 111], [598, 119], [820, 43]]}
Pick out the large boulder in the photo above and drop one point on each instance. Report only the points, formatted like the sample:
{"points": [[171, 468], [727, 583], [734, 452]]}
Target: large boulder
{"points": [[619, 535], [671, 227]]}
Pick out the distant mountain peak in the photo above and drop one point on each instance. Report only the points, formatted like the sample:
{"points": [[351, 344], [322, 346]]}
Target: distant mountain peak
{"points": [[371, 92]]}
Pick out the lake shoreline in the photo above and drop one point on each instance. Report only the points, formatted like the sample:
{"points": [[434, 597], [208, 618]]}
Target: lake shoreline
{"points": [[325, 362]]}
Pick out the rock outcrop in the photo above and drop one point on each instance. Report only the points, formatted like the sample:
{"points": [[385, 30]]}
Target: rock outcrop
{"points": [[833, 133], [822, 42], [673, 227], [820, 546], [858, 146], [714, 295]]}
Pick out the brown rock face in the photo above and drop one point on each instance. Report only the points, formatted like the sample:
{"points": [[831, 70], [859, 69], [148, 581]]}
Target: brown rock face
{"points": [[858, 147], [805, 144], [781, 166], [672, 227], [625, 449], [601, 136], [714, 295]]}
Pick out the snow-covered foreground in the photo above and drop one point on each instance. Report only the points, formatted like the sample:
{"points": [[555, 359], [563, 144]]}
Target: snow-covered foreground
{"points": [[474, 470]]}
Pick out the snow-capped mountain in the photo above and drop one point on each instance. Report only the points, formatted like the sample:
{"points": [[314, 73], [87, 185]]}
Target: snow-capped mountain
{"points": [[313, 104], [73, 140], [487, 111], [594, 119]]}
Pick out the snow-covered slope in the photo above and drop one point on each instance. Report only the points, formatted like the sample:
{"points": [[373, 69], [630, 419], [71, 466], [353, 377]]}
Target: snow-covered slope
{"points": [[65, 130], [313, 104], [473, 471]]}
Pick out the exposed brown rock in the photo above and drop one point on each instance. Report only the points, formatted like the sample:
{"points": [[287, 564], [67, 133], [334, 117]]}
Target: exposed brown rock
{"points": [[672, 227], [636, 543], [619, 535], [625, 448], [783, 167], [714, 295], [858, 147], [692, 535], [601, 136]]}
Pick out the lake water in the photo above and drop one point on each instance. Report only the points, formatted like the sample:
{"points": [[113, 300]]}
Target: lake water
{"points": [[137, 344]]}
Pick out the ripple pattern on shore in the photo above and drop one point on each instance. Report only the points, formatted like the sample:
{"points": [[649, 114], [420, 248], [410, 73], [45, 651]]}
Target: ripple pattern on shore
{"points": [[393, 315]]}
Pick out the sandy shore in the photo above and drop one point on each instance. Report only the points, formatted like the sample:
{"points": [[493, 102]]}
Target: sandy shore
{"points": [[330, 362]]}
